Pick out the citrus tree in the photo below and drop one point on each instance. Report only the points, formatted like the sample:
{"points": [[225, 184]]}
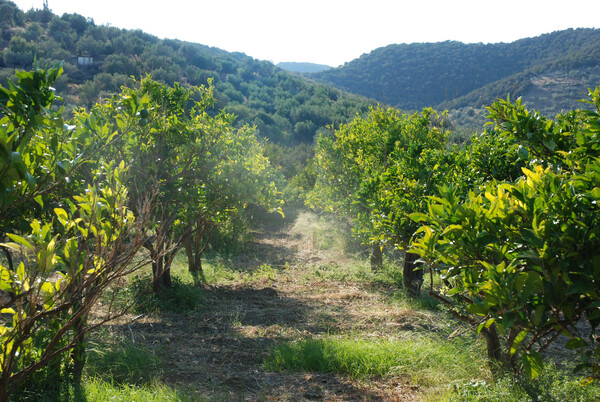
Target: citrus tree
{"points": [[370, 169], [67, 233], [199, 170], [520, 260]]}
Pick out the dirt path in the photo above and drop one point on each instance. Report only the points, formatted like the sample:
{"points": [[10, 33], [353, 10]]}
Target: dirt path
{"points": [[217, 352]]}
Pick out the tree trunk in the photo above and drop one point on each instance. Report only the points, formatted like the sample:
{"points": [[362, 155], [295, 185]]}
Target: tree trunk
{"points": [[78, 353], [161, 273], [496, 359], [413, 275], [195, 244], [194, 258], [376, 257]]}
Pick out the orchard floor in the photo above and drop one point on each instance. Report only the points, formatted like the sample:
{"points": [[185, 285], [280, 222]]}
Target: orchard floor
{"points": [[295, 280]]}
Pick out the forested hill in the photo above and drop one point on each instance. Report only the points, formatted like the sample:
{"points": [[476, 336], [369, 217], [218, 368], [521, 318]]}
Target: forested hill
{"points": [[454, 74], [98, 60]]}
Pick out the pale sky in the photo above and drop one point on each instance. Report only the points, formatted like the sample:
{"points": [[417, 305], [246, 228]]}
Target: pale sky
{"points": [[332, 32]]}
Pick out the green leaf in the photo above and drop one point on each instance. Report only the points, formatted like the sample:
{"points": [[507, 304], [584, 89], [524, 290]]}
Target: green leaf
{"points": [[20, 240], [523, 153], [575, 343], [485, 324], [62, 216], [519, 338], [419, 217], [532, 364], [550, 144]]}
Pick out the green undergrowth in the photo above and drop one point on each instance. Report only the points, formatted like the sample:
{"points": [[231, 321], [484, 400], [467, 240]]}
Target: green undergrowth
{"points": [[222, 271], [553, 385], [359, 270], [118, 371], [180, 297], [425, 361], [100, 391], [123, 363], [124, 371], [449, 370]]}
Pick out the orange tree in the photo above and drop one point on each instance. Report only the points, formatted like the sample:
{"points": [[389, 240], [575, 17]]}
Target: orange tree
{"points": [[199, 170], [67, 233], [520, 260], [369, 170]]}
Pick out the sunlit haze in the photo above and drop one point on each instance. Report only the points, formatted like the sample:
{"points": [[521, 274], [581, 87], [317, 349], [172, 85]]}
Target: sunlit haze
{"points": [[332, 32]]}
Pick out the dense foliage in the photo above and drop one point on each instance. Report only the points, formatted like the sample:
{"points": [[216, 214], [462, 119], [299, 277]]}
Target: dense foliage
{"points": [[374, 170], [519, 256]]}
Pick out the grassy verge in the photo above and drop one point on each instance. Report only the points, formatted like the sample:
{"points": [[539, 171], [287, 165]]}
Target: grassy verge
{"points": [[96, 389], [449, 371], [425, 361]]}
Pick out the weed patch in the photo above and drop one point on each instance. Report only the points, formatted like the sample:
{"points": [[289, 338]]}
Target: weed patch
{"points": [[98, 390], [553, 385]]}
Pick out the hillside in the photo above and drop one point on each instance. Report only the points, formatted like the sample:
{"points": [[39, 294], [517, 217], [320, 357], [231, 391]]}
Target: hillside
{"points": [[456, 75], [98, 60]]}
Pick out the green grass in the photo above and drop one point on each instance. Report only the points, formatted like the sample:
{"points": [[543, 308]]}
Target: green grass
{"points": [[123, 371], [98, 390], [123, 363], [553, 385], [113, 372], [425, 361]]}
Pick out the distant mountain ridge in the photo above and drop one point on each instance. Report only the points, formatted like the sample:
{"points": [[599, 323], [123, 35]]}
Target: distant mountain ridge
{"points": [[455, 75], [297, 67]]}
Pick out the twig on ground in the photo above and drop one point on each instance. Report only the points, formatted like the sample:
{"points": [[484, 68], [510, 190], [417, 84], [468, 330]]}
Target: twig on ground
{"points": [[129, 326]]}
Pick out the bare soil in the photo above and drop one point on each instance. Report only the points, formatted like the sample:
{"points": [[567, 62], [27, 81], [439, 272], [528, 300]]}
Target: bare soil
{"points": [[217, 352]]}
